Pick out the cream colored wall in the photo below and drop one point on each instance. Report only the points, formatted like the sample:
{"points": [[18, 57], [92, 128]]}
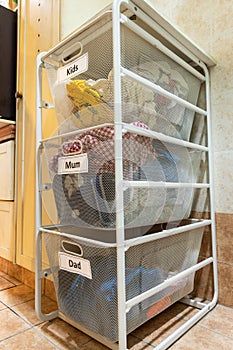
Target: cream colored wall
{"points": [[76, 12], [209, 23]]}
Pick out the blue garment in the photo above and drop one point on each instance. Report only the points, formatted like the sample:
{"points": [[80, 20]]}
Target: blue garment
{"points": [[93, 303]]}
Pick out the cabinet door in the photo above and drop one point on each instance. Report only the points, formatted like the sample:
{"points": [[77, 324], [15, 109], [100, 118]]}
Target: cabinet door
{"points": [[7, 230], [7, 170]]}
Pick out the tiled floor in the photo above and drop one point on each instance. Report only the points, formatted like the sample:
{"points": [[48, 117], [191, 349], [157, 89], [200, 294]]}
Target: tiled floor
{"points": [[20, 328]]}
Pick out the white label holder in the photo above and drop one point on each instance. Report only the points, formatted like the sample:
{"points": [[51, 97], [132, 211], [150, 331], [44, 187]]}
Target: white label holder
{"points": [[73, 164], [75, 264], [76, 67]]}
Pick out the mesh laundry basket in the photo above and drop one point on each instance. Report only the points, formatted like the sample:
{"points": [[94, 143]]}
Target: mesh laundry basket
{"points": [[85, 275], [81, 76], [82, 170]]}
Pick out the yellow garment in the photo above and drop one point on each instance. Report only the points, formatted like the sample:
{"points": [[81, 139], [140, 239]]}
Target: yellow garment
{"points": [[82, 95], [89, 107]]}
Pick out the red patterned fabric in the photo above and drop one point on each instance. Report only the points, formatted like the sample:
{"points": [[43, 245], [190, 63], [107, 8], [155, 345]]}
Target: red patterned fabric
{"points": [[100, 145]]}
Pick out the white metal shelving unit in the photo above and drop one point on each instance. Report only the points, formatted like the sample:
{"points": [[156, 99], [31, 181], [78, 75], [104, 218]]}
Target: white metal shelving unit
{"points": [[142, 20]]}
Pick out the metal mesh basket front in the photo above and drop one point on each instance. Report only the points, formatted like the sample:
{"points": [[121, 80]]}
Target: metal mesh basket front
{"points": [[93, 302], [92, 104], [89, 198]]}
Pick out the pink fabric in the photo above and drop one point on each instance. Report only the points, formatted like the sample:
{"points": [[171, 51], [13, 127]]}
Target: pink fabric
{"points": [[99, 144]]}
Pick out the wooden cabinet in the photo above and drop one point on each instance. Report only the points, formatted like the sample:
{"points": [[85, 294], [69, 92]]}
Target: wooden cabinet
{"points": [[7, 241], [7, 172], [7, 180]]}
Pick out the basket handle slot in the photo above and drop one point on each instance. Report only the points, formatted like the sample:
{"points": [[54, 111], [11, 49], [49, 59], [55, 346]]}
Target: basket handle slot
{"points": [[72, 248], [72, 52]]}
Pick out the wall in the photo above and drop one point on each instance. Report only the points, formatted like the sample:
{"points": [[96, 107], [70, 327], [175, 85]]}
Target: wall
{"points": [[209, 24], [75, 12]]}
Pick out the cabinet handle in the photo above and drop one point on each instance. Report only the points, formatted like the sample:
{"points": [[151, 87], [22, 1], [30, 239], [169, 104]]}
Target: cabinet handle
{"points": [[18, 95]]}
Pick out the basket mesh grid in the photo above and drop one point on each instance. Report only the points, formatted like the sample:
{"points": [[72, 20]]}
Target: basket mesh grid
{"points": [[93, 302], [159, 112], [89, 198]]}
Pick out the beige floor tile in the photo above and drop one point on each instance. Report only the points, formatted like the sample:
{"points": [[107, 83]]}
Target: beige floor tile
{"points": [[28, 340], [16, 295], [93, 345], [10, 324], [4, 284], [220, 320], [2, 306], [63, 335], [27, 310], [133, 344], [200, 338], [158, 328], [12, 280]]}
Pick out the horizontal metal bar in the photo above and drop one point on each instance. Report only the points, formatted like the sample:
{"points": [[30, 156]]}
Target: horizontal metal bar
{"points": [[162, 91], [167, 283], [165, 233], [172, 34], [177, 333], [129, 242], [68, 41], [82, 239], [155, 42], [75, 132], [134, 129], [164, 138], [151, 184]]}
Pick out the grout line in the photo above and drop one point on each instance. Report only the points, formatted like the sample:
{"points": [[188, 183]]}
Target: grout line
{"points": [[15, 334], [9, 279], [9, 287], [35, 326], [41, 334], [15, 312]]}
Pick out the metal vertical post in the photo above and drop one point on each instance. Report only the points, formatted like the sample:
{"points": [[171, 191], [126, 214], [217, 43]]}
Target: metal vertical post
{"points": [[121, 293]]}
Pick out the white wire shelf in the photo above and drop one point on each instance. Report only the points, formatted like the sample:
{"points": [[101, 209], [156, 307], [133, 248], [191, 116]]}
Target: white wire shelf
{"points": [[162, 137], [139, 298], [150, 39], [136, 130], [162, 91], [53, 229], [159, 184]]}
